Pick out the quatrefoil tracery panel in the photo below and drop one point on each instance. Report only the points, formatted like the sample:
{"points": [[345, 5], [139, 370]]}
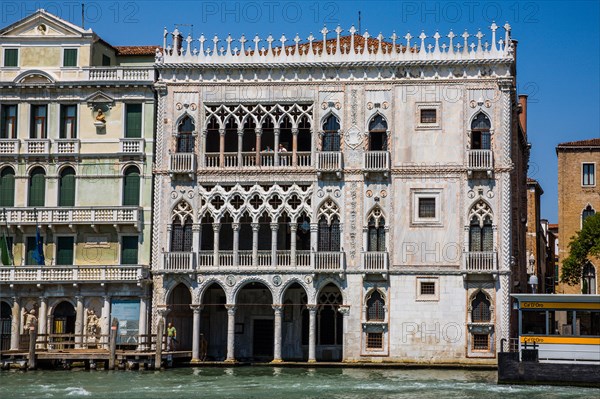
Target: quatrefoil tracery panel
{"points": [[329, 210], [258, 114], [181, 212], [481, 211]]}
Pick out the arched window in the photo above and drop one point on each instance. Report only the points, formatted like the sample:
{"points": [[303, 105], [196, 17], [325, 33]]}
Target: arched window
{"points": [[331, 134], [185, 136], [181, 228], [66, 187], [7, 187], [480, 133], [37, 187], [212, 136], [329, 227], [131, 186], [481, 232], [304, 134], [378, 134], [376, 231], [587, 212], [375, 307], [480, 309], [589, 279]]}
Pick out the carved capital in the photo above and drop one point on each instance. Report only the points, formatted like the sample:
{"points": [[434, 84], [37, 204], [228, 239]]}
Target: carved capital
{"points": [[344, 309], [312, 308], [196, 308], [230, 309], [277, 308]]}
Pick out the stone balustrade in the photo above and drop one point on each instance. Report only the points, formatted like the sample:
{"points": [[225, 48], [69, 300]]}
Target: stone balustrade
{"points": [[375, 262], [72, 215], [72, 273], [376, 161], [481, 160], [480, 262]]}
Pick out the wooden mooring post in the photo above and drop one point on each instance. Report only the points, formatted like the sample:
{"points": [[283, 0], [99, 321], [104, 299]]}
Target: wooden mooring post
{"points": [[159, 338], [113, 344], [32, 340]]}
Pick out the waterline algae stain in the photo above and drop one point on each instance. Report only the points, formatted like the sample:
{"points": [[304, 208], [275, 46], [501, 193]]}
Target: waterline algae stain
{"points": [[268, 382]]}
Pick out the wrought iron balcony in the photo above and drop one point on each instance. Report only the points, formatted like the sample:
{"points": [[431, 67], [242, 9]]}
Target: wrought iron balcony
{"points": [[182, 163], [93, 216], [375, 262], [72, 274], [480, 160], [376, 161], [480, 262], [329, 162]]}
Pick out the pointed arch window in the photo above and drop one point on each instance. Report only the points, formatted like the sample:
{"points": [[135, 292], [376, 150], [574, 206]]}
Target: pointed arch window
{"points": [[378, 134], [66, 187], [481, 231], [329, 227], [375, 307], [7, 187], [480, 309], [185, 135], [480, 133], [587, 212], [181, 235], [331, 134], [37, 187], [376, 231], [589, 279], [131, 186]]}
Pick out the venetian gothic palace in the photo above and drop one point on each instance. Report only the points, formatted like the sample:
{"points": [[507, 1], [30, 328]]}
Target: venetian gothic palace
{"points": [[339, 197]]}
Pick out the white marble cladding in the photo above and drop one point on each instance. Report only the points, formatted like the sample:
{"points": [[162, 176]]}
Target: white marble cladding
{"points": [[339, 49]]}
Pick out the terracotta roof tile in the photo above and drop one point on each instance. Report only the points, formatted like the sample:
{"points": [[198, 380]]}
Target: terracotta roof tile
{"points": [[582, 143], [136, 50]]}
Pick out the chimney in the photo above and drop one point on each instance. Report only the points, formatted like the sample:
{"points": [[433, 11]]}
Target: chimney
{"points": [[523, 112]]}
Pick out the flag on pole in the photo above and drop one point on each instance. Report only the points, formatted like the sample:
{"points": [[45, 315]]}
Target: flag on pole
{"points": [[38, 252], [5, 254]]}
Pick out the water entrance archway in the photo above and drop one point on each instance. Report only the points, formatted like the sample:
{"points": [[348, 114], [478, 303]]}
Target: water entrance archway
{"points": [[213, 325], [5, 326], [330, 324], [254, 323], [295, 324], [181, 316]]}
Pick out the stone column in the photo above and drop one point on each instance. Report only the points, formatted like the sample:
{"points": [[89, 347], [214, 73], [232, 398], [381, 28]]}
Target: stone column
{"points": [[143, 321], [240, 133], [43, 319], [196, 333], [216, 229], [162, 314], [230, 333], [258, 133], [277, 335], [236, 244], [15, 326], [202, 147], [221, 147], [345, 311], [365, 239], [293, 233], [314, 235], [79, 321], [196, 237], [312, 333], [276, 132], [274, 230], [294, 147], [255, 227], [105, 320]]}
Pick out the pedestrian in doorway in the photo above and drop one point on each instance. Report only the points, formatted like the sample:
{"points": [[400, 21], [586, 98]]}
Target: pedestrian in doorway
{"points": [[171, 337]]}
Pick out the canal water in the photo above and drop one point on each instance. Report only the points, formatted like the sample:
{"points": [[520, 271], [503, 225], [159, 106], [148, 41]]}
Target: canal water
{"points": [[274, 382]]}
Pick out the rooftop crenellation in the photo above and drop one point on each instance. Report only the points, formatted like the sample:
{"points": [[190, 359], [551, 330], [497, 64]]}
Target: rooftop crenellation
{"points": [[352, 47]]}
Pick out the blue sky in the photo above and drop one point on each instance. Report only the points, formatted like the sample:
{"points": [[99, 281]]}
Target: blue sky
{"points": [[558, 51]]}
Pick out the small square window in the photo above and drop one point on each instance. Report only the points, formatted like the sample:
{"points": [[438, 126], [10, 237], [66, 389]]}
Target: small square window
{"points": [[428, 115], [427, 288], [427, 207], [375, 340], [70, 57], [105, 60], [589, 174], [481, 342], [11, 57]]}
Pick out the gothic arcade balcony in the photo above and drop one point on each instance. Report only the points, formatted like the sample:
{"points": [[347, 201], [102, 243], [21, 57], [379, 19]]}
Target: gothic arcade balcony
{"points": [[480, 161], [375, 262], [93, 216], [480, 262], [251, 160], [73, 274], [376, 162], [329, 162], [182, 163]]}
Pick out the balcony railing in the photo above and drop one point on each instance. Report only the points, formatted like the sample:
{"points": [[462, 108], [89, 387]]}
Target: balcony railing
{"points": [[121, 73], [81, 273], [330, 161], [179, 261], [182, 162], [481, 160], [329, 261], [9, 147], [66, 146], [72, 215], [376, 161], [248, 159], [132, 146], [480, 262], [375, 262], [37, 146]]}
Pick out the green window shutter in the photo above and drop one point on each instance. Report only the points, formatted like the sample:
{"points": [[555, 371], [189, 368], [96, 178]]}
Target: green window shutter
{"points": [[64, 250], [129, 250], [66, 193], [7, 187], [133, 121], [30, 244], [70, 58], [131, 187], [37, 188], [11, 57]]}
